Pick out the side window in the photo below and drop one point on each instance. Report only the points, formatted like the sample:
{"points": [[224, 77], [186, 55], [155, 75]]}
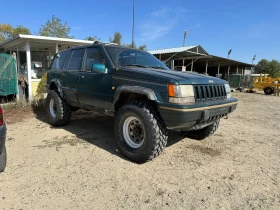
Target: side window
{"points": [[59, 60], [76, 59], [67, 59], [94, 61]]}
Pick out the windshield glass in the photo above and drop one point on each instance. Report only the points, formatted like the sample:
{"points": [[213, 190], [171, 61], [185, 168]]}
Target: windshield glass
{"points": [[131, 57]]}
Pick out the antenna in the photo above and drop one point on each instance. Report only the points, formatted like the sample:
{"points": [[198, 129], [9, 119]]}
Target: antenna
{"points": [[132, 43]]}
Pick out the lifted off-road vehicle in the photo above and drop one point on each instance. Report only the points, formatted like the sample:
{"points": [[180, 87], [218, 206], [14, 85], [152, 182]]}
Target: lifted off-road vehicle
{"points": [[145, 97]]}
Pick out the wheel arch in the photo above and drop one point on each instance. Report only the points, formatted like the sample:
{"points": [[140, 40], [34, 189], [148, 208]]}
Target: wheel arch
{"points": [[131, 93], [55, 85]]}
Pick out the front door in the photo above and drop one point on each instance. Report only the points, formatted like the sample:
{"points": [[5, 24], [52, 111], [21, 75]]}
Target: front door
{"points": [[95, 84]]}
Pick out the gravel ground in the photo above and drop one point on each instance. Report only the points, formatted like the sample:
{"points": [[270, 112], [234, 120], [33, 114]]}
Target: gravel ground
{"points": [[78, 166]]}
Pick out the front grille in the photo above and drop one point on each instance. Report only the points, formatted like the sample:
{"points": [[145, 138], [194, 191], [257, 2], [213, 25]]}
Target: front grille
{"points": [[209, 92]]}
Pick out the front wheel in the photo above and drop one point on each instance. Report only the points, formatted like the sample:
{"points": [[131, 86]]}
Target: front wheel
{"points": [[204, 132], [140, 134], [58, 111]]}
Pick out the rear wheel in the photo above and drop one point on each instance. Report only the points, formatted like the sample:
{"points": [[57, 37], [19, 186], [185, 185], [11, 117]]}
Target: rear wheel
{"points": [[140, 135], [3, 159], [58, 111], [268, 90], [204, 132]]}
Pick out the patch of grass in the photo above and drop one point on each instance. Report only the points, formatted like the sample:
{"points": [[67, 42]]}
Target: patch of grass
{"points": [[38, 105]]}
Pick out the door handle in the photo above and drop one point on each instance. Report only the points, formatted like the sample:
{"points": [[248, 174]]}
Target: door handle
{"points": [[82, 77]]}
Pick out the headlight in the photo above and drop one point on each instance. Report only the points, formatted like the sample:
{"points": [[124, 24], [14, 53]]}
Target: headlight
{"points": [[181, 94], [228, 91]]}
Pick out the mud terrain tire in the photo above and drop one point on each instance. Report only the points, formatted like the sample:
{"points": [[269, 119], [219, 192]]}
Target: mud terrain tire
{"points": [[140, 134], [58, 111]]}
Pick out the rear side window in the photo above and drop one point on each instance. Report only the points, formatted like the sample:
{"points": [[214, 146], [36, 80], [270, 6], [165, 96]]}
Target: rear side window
{"points": [[76, 59], [59, 60]]}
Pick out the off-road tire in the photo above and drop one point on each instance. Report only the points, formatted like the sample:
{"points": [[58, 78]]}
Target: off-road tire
{"points": [[268, 90], [204, 132], [58, 111], [143, 118], [3, 159]]}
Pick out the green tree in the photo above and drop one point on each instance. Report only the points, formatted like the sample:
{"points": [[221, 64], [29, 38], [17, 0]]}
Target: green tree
{"points": [[117, 38], [92, 38], [21, 30], [6, 31], [142, 47], [54, 28], [268, 67]]}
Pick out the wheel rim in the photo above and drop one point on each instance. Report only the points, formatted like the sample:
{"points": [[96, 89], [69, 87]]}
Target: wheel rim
{"points": [[52, 108], [134, 133], [268, 90]]}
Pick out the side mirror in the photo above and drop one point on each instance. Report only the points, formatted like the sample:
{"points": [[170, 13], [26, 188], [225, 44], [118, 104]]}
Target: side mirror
{"points": [[99, 68]]}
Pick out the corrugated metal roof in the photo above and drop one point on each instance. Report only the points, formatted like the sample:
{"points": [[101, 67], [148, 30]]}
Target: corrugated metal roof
{"points": [[172, 50]]}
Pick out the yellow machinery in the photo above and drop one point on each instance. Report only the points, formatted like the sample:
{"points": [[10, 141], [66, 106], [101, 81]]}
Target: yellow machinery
{"points": [[268, 84]]}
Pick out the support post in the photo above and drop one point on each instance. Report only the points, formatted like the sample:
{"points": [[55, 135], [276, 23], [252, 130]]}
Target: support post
{"points": [[192, 66], [56, 48], [228, 72], [28, 61], [236, 69], [17, 71], [206, 68], [219, 70]]}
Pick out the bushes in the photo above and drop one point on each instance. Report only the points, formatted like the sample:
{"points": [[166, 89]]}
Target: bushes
{"points": [[38, 101], [41, 89]]}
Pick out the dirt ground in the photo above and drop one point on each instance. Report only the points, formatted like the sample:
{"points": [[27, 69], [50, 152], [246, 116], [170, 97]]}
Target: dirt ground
{"points": [[78, 166]]}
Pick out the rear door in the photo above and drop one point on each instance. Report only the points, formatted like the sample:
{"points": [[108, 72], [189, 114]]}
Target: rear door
{"points": [[69, 77]]}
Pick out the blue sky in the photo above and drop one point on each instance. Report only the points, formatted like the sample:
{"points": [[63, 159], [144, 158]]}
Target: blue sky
{"points": [[247, 27]]}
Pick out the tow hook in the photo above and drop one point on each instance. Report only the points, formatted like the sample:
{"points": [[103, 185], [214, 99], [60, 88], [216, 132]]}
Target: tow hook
{"points": [[226, 117]]}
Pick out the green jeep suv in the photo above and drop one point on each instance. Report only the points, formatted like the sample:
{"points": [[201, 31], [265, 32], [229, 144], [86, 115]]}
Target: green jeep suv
{"points": [[145, 97]]}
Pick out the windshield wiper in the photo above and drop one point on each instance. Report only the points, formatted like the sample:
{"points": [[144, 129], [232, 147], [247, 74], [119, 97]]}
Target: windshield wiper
{"points": [[157, 67], [136, 65]]}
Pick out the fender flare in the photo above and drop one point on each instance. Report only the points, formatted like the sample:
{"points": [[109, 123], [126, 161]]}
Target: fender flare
{"points": [[58, 85], [135, 89]]}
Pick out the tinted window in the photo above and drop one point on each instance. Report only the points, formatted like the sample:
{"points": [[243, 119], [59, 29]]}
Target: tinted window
{"points": [[59, 60], [76, 59], [93, 55], [129, 57], [67, 59]]}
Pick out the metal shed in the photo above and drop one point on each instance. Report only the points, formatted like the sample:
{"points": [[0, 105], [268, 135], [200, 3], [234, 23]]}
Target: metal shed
{"points": [[195, 58]]}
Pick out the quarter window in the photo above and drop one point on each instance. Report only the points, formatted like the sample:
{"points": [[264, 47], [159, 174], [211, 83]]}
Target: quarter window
{"points": [[58, 61]]}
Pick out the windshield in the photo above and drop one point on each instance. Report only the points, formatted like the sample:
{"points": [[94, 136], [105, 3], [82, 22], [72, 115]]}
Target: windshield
{"points": [[131, 57]]}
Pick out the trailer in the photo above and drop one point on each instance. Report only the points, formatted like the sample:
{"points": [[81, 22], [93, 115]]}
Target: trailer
{"points": [[268, 84]]}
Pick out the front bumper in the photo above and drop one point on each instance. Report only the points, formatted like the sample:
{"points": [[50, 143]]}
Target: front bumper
{"points": [[186, 118], [3, 131]]}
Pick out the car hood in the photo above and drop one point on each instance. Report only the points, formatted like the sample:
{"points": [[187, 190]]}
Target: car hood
{"points": [[167, 76]]}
